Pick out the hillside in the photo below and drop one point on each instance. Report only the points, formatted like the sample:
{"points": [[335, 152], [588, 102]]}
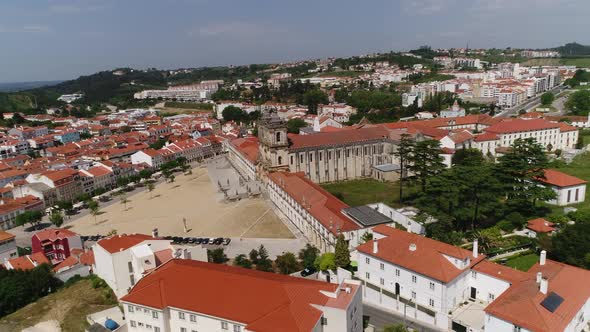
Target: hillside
{"points": [[69, 306], [574, 49]]}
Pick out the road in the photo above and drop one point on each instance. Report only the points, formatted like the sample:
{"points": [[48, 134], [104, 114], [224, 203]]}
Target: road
{"points": [[528, 105], [380, 318]]}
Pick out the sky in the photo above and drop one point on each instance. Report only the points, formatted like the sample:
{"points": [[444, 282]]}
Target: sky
{"points": [[63, 39]]}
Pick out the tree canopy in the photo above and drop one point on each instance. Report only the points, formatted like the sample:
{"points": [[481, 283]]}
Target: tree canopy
{"points": [[293, 125]]}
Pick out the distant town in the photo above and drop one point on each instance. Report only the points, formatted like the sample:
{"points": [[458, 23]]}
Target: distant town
{"points": [[427, 190]]}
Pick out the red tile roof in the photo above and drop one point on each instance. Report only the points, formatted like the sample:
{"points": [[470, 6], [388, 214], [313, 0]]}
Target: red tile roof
{"points": [[486, 137], [263, 301], [87, 258], [248, 147], [428, 259], [520, 125], [99, 171], [521, 303], [54, 234], [322, 205], [540, 225], [338, 137], [118, 243], [4, 236], [28, 262], [501, 272], [559, 179]]}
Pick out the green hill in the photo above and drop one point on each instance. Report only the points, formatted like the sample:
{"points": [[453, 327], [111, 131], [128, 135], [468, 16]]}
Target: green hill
{"points": [[574, 49]]}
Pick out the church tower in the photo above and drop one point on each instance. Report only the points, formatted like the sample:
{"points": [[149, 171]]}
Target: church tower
{"points": [[274, 144]]}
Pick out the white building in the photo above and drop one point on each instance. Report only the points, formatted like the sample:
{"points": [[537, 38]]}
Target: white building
{"points": [[150, 157], [453, 112], [122, 260], [185, 296], [7, 247], [569, 189]]}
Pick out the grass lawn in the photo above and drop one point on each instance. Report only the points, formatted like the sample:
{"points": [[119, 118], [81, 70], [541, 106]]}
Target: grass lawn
{"points": [[366, 191], [523, 263], [578, 62], [69, 306], [580, 167]]}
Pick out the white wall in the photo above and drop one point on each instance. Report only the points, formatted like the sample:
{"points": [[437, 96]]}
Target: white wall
{"points": [[562, 195], [493, 323], [399, 218], [486, 285]]}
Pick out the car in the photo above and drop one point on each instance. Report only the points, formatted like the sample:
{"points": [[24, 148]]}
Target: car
{"points": [[168, 237], [186, 240], [84, 238], [211, 241], [226, 241], [176, 239], [307, 271], [218, 241], [198, 240], [192, 240]]}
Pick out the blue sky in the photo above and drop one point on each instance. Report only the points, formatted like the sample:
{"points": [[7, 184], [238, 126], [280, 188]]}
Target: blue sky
{"points": [[62, 39]]}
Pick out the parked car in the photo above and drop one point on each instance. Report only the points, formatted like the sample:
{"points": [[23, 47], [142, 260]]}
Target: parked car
{"points": [[226, 241], [211, 241], [308, 271], [218, 241]]}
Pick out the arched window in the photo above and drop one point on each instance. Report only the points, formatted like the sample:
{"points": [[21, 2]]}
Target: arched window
{"points": [[278, 136], [280, 160]]}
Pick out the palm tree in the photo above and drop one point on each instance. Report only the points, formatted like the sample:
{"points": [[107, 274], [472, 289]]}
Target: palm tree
{"points": [[94, 209], [124, 201]]}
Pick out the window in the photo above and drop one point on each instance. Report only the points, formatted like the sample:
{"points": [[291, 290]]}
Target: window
{"points": [[237, 328], [382, 266], [474, 274], [224, 325], [130, 308], [146, 310], [491, 297], [301, 158], [291, 160], [381, 281], [132, 323], [367, 275], [414, 279], [181, 315], [155, 314], [193, 318], [148, 326], [130, 267], [367, 260], [432, 285], [320, 156], [183, 329], [278, 137], [413, 295], [397, 272], [324, 321], [132, 279], [516, 328], [431, 302], [310, 157]]}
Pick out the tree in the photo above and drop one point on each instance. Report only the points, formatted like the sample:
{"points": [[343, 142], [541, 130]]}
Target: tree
{"points": [[467, 157], [313, 98], [124, 200], [366, 237], [94, 209], [56, 218], [403, 153], [295, 124], [325, 262], [395, 328], [233, 113], [308, 255], [579, 102], [150, 188], [425, 161], [519, 170], [217, 256], [341, 252], [547, 98], [29, 217], [242, 261], [253, 256], [263, 263], [287, 263]]}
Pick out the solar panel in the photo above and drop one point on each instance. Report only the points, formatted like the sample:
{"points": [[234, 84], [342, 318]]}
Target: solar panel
{"points": [[366, 216], [552, 301]]}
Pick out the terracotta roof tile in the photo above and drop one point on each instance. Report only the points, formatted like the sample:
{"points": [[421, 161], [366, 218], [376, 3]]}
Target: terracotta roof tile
{"points": [[117, 243], [560, 179]]}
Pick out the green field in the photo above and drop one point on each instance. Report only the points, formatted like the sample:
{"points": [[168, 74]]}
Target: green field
{"points": [[578, 62], [366, 191], [523, 263]]}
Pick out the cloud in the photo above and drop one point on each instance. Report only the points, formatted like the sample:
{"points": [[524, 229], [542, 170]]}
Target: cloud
{"points": [[426, 7], [31, 28], [231, 29]]}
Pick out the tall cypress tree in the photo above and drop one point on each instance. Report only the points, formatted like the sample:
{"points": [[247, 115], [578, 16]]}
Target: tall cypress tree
{"points": [[341, 252]]}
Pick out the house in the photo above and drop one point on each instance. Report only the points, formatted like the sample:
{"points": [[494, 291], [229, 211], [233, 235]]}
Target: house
{"points": [[11, 208], [569, 189], [122, 260], [103, 177], [540, 226], [66, 182], [227, 298], [148, 156], [56, 244], [27, 262], [7, 247]]}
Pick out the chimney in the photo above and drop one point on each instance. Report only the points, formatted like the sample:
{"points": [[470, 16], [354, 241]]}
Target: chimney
{"points": [[539, 277], [544, 285], [375, 246], [543, 258], [475, 248], [412, 247], [155, 232]]}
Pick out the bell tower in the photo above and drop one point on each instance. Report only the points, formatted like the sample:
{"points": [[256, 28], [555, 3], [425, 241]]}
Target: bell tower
{"points": [[274, 144]]}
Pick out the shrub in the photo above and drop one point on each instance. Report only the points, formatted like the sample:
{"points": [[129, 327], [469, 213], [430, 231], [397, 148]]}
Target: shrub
{"points": [[505, 226]]}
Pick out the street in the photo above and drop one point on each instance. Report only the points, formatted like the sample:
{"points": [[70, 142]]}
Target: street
{"points": [[380, 318], [528, 105]]}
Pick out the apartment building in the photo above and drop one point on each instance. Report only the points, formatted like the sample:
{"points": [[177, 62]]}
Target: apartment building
{"points": [[66, 183], [226, 298], [11, 208], [7, 246], [56, 244]]}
